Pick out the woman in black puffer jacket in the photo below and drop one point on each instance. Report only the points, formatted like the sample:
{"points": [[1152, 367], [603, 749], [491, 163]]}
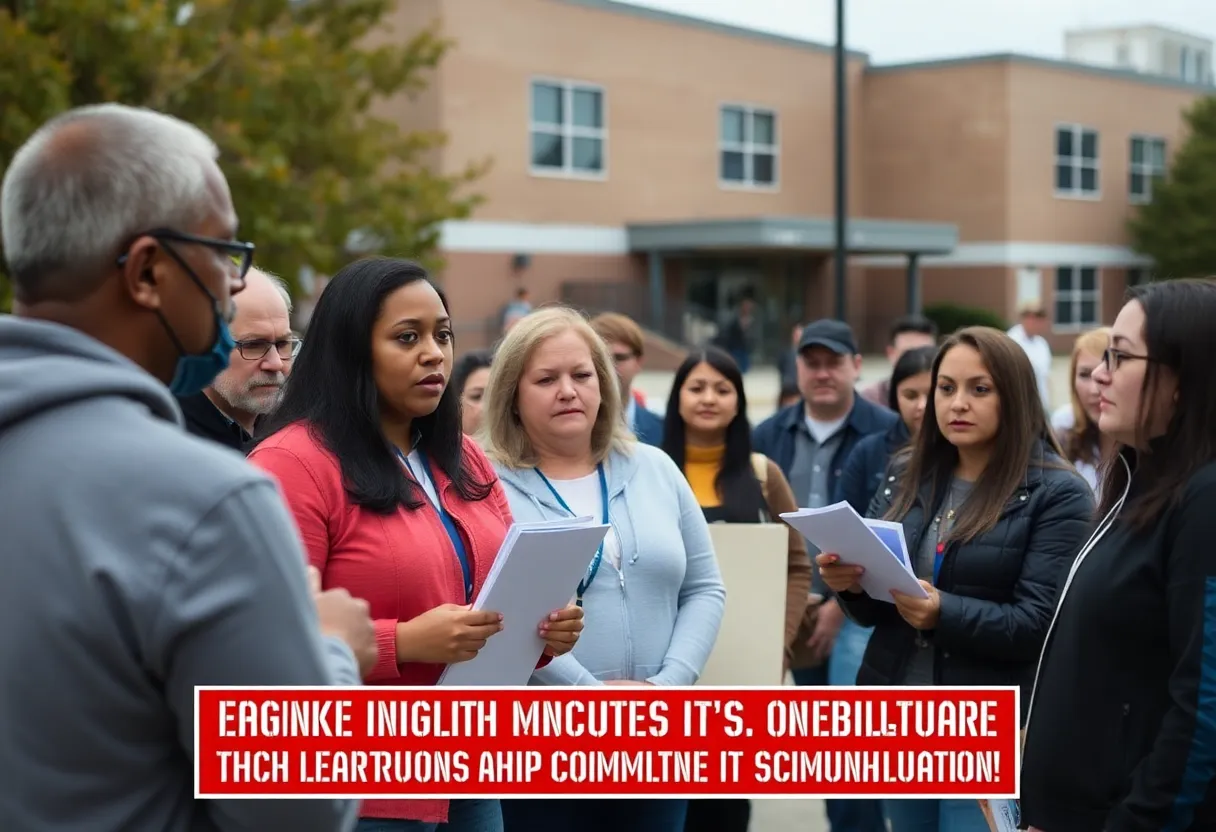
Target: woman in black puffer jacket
{"points": [[993, 516]]}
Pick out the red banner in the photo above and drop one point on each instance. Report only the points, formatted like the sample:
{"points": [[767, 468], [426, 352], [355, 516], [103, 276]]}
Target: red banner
{"points": [[606, 741]]}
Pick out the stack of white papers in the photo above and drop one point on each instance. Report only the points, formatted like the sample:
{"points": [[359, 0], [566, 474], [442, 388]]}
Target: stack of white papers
{"points": [[536, 571], [878, 546]]}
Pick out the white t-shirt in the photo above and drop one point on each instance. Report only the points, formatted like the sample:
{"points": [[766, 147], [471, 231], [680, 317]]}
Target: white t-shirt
{"points": [[585, 499], [822, 431], [419, 472], [1039, 352]]}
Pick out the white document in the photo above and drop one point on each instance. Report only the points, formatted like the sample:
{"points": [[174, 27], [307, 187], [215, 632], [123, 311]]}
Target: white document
{"points": [[839, 529], [537, 571], [1002, 815]]}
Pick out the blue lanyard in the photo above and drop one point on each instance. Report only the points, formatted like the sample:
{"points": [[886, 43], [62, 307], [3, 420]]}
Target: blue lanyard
{"points": [[449, 525], [585, 583]]}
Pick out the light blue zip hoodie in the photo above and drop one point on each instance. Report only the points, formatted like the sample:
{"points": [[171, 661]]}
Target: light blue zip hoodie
{"points": [[656, 619]]}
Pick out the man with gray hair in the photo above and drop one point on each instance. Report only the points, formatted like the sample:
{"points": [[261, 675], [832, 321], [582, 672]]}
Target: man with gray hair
{"points": [[138, 561], [227, 411]]}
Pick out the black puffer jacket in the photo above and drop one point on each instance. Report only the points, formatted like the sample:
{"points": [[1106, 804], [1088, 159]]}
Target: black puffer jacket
{"points": [[998, 591]]}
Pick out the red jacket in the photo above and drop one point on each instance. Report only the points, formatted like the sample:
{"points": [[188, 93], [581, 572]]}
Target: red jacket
{"points": [[403, 564]]}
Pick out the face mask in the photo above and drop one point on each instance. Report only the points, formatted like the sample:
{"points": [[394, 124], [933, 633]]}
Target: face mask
{"points": [[195, 372]]}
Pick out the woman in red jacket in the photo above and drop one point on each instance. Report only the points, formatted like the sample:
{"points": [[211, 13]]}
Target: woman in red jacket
{"points": [[394, 504]]}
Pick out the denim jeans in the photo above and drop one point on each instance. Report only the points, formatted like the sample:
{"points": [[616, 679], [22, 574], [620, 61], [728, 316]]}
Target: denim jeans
{"points": [[847, 653], [935, 815], [463, 816], [852, 814], [594, 815]]}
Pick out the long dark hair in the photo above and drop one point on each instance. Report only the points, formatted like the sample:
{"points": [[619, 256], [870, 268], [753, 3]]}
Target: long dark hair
{"points": [[1179, 337], [736, 483], [912, 363], [332, 390], [1023, 426]]}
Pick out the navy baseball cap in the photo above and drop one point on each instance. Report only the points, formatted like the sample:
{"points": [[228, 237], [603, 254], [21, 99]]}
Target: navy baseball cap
{"points": [[835, 335]]}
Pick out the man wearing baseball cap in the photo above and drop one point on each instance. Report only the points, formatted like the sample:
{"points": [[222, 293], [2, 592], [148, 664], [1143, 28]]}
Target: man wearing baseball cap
{"points": [[810, 440]]}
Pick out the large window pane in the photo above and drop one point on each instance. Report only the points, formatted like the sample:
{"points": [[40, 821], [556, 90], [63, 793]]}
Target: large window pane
{"points": [[588, 154], [1063, 142], [1089, 180], [1063, 280], [547, 150], [547, 104], [1136, 184], [1064, 177], [1137, 151], [1158, 156], [732, 166], [1089, 312], [1089, 280], [1064, 311], [1089, 144], [762, 129], [732, 125], [588, 109], [764, 168]]}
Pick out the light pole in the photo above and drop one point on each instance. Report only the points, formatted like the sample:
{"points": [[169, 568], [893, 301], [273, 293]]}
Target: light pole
{"points": [[842, 161]]}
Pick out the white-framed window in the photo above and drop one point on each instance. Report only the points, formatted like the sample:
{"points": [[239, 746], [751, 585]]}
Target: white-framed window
{"points": [[1076, 161], [568, 132], [747, 145], [1146, 155], [1077, 299]]}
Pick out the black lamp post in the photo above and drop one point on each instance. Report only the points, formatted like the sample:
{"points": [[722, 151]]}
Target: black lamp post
{"points": [[842, 160]]}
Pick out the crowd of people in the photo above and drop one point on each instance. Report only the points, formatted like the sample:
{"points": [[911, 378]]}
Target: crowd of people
{"points": [[194, 494]]}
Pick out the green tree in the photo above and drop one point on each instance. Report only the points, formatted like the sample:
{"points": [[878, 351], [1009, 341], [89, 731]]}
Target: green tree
{"points": [[1178, 228], [291, 91]]}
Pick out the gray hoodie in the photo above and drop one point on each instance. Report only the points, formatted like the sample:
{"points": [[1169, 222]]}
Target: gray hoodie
{"points": [[135, 563]]}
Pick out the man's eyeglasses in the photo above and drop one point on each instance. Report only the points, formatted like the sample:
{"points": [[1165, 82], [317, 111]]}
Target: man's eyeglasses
{"points": [[1112, 358], [241, 254], [256, 350]]}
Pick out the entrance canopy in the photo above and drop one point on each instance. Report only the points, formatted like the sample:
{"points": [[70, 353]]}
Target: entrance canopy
{"points": [[793, 233]]}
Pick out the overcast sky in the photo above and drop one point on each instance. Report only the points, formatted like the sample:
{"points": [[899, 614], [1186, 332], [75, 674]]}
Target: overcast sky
{"points": [[911, 30]]}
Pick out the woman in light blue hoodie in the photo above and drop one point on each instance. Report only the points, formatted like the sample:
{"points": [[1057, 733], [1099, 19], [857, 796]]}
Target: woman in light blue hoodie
{"points": [[653, 597]]}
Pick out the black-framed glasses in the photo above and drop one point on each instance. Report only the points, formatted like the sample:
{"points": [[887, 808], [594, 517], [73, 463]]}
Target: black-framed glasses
{"points": [[1112, 358], [240, 253], [256, 349]]}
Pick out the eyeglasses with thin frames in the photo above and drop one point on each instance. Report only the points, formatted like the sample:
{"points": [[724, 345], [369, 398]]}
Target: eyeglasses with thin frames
{"points": [[1112, 358], [256, 349]]}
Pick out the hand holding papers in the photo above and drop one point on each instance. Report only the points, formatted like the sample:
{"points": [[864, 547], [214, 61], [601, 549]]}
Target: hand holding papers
{"points": [[875, 545], [536, 572]]}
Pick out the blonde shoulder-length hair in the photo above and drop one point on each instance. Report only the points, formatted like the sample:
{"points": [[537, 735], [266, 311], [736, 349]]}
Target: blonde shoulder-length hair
{"points": [[502, 433], [1081, 441]]}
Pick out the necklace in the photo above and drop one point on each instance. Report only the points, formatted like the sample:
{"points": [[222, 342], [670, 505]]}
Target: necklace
{"points": [[941, 529]]}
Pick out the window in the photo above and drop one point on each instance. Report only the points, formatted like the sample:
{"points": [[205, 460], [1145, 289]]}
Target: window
{"points": [[1076, 297], [747, 140], [568, 133], [1076, 161], [1147, 159]]}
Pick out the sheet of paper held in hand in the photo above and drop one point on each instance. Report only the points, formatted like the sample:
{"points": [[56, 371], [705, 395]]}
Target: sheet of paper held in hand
{"points": [[839, 529], [536, 571]]}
